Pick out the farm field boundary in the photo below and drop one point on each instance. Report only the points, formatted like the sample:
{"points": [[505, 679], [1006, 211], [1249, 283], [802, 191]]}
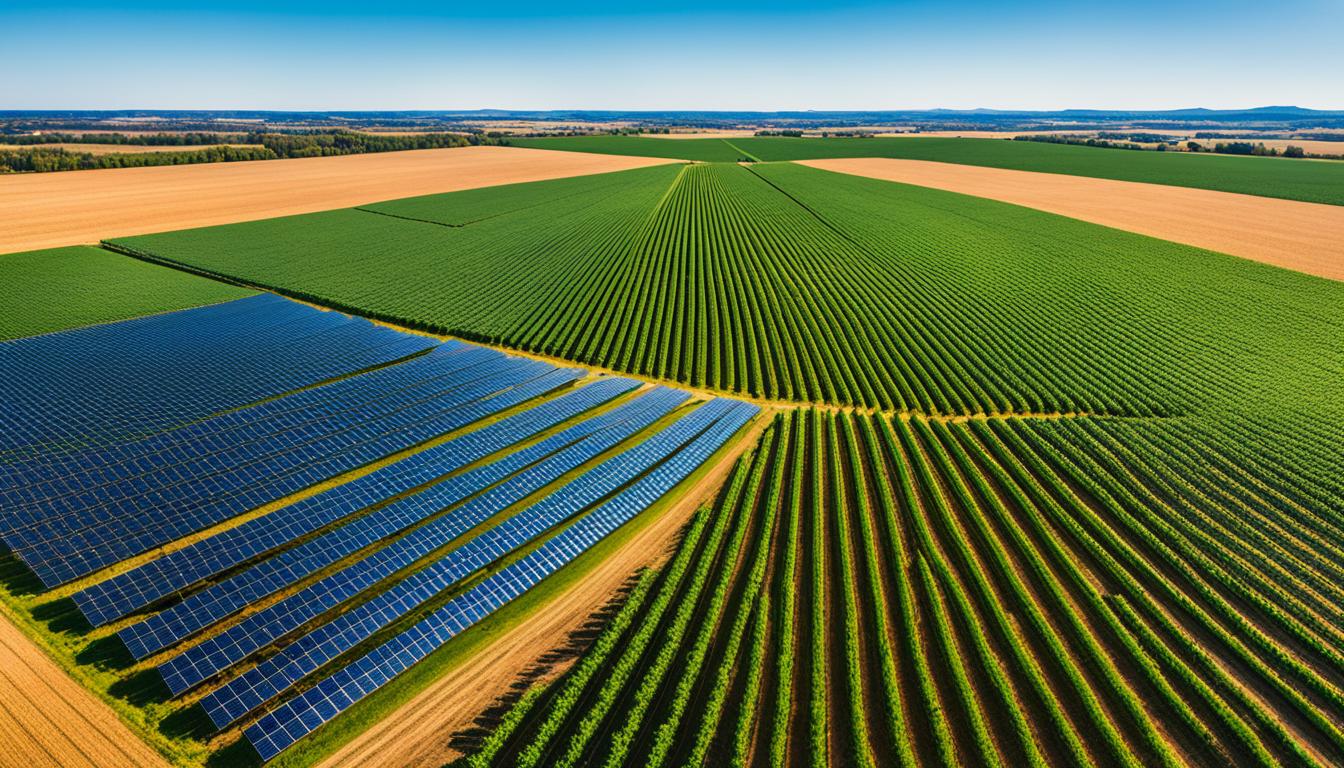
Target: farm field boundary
{"points": [[44, 210], [49, 720], [701, 391], [1308, 180], [418, 732], [1307, 237]]}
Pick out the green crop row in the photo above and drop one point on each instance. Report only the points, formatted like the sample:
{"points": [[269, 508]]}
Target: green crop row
{"points": [[1010, 592], [784, 282]]}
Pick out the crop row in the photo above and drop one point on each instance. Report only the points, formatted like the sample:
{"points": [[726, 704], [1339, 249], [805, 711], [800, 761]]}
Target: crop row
{"points": [[991, 592], [784, 282]]}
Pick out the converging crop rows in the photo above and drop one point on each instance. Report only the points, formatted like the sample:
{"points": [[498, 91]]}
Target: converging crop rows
{"points": [[877, 591]]}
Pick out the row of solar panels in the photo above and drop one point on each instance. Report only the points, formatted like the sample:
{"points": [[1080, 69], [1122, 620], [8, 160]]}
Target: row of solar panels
{"points": [[299, 716], [400, 538], [138, 588], [352, 627], [76, 535], [157, 372]]}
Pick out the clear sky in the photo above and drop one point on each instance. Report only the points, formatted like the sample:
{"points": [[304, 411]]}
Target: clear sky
{"points": [[652, 54]]}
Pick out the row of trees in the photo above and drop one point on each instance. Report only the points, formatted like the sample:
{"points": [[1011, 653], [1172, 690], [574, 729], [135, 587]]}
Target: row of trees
{"points": [[1246, 148], [37, 158], [41, 160]]}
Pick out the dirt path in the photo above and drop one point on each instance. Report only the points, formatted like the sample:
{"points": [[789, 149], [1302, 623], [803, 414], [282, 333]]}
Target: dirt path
{"points": [[417, 734], [44, 210], [47, 719], [1307, 237]]}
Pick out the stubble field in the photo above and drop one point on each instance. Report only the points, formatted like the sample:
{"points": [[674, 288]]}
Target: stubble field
{"points": [[45, 210]]}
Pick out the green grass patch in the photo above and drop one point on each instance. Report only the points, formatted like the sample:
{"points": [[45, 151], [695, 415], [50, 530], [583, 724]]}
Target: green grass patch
{"points": [[63, 288]]}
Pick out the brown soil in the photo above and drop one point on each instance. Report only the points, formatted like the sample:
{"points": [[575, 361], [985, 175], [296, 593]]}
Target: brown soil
{"points": [[1308, 237], [47, 719], [417, 734], [44, 210]]}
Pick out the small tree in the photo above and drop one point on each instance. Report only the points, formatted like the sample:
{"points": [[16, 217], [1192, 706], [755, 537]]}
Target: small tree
{"points": [[1292, 151]]}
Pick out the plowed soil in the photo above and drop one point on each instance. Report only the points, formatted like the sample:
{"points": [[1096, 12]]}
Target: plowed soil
{"points": [[417, 734], [43, 210], [1307, 237], [49, 720]]}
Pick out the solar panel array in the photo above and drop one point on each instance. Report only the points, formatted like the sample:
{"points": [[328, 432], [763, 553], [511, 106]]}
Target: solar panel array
{"points": [[213, 555], [130, 436], [104, 383], [261, 628], [138, 588], [111, 523], [291, 721]]}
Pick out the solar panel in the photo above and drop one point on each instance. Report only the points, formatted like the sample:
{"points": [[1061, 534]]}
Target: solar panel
{"points": [[51, 477], [258, 630], [105, 383], [278, 729], [214, 497], [117, 597]]}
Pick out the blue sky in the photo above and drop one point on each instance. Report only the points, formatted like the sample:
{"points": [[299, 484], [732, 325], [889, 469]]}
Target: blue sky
{"points": [[783, 54]]}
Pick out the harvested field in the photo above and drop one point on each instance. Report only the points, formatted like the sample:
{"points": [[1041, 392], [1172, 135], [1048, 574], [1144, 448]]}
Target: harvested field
{"points": [[52, 209], [418, 733], [1308, 237], [47, 719]]}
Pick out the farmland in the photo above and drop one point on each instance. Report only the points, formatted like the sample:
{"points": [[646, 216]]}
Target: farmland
{"points": [[1032, 491], [54, 290], [1306, 237], [789, 284], [877, 591], [407, 491], [1316, 182], [45, 210]]}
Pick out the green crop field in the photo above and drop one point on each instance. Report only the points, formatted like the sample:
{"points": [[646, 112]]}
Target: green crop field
{"points": [[784, 282], [874, 591], [1307, 180], [60, 288], [1037, 492]]}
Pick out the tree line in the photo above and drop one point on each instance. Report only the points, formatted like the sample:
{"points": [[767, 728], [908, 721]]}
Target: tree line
{"points": [[33, 157]]}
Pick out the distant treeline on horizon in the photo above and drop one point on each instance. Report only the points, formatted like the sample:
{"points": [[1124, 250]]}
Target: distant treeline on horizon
{"points": [[33, 153], [13, 121]]}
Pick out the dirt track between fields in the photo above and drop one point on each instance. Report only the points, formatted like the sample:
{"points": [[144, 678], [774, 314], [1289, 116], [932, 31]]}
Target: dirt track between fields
{"points": [[417, 735], [45, 210], [1307, 237], [49, 720]]}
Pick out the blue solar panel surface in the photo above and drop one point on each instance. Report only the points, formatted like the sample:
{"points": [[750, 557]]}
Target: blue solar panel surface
{"points": [[116, 597], [259, 629], [125, 528], [291, 721], [107, 383], [130, 436]]}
